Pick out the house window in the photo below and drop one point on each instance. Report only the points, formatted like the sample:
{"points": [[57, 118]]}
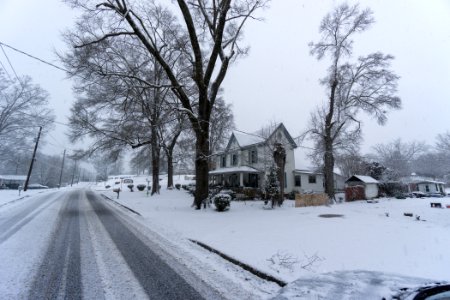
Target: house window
{"points": [[253, 180], [234, 159], [437, 190], [427, 188], [253, 156], [223, 163], [312, 178], [298, 180]]}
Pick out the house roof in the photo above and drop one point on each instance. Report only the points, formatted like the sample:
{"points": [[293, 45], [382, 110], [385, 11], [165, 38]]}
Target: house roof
{"points": [[429, 182], [248, 139], [242, 169], [362, 178]]}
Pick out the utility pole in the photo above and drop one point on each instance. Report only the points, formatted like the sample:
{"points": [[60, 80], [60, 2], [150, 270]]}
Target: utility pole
{"points": [[73, 174], [62, 167], [32, 160]]}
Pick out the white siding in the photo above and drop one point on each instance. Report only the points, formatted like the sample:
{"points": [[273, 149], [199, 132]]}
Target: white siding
{"points": [[371, 190], [307, 187]]}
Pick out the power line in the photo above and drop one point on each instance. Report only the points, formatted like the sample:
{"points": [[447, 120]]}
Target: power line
{"points": [[10, 64], [34, 57]]}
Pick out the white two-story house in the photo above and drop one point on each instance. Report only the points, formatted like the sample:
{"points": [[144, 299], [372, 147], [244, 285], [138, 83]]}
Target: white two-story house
{"points": [[248, 157]]}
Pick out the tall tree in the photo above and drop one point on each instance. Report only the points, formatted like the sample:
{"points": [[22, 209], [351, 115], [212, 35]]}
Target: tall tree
{"points": [[443, 143], [122, 97], [222, 124], [351, 163], [206, 37], [23, 108], [366, 85], [398, 156]]}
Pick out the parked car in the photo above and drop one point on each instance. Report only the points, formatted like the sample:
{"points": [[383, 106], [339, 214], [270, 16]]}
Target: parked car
{"points": [[435, 195], [419, 194], [128, 181], [364, 285], [36, 186]]}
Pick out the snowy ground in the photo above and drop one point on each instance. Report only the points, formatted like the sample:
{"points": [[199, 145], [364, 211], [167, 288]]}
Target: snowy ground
{"points": [[8, 196], [291, 242]]}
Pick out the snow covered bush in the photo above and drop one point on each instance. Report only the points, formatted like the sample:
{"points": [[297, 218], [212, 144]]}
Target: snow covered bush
{"points": [[130, 186], [177, 186], [222, 202], [141, 187]]}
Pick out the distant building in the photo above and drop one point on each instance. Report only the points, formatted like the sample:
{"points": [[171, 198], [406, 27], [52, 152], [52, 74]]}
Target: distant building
{"points": [[12, 181], [422, 184], [361, 187]]}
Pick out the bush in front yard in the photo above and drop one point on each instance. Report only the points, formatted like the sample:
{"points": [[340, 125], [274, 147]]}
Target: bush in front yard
{"points": [[177, 186], [222, 202], [130, 186], [141, 187]]}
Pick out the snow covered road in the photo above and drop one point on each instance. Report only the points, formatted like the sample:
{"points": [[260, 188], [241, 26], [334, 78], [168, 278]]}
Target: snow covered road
{"points": [[74, 245]]}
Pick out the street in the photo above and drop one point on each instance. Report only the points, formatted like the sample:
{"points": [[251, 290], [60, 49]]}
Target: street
{"points": [[77, 245]]}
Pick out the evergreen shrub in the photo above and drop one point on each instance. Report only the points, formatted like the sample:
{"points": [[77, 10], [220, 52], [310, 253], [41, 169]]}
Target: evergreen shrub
{"points": [[222, 202]]}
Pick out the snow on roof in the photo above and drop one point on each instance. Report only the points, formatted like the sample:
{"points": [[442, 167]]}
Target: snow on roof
{"points": [[365, 179], [429, 182], [13, 177], [243, 169], [303, 171], [245, 139]]}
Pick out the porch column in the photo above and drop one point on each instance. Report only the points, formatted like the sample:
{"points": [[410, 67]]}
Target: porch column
{"points": [[241, 179]]}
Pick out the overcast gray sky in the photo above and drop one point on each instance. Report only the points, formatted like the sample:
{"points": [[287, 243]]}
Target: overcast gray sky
{"points": [[279, 79]]}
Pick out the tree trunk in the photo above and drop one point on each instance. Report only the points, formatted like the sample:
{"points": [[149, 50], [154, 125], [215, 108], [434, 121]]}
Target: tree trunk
{"points": [[328, 169], [328, 157], [169, 153], [279, 156], [201, 166], [155, 161]]}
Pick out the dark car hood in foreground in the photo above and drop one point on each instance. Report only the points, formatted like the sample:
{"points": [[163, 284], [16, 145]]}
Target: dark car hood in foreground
{"points": [[356, 285]]}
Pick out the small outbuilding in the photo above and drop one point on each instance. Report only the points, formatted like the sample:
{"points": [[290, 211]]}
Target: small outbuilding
{"points": [[428, 186], [360, 187]]}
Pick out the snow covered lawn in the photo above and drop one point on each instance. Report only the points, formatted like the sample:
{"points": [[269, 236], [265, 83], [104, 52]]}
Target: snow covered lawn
{"points": [[7, 196], [290, 242]]}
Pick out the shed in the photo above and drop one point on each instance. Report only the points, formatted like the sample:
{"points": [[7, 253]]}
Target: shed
{"points": [[360, 187]]}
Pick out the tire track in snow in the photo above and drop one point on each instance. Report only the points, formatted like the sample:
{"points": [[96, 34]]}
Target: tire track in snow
{"points": [[59, 275], [15, 222], [157, 278]]}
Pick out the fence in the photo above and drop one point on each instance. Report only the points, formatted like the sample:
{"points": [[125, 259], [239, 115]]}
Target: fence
{"points": [[302, 200]]}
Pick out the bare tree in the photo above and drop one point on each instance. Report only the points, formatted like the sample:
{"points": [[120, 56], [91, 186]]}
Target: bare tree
{"points": [[443, 143], [206, 40], [366, 85], [124, 97], [169, 134], [432, 164], [221, 125], [398, 156], [351, 163], [23, 108]]}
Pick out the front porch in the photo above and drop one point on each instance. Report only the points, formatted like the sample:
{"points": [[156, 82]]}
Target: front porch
{"points": [[236, 177]]}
